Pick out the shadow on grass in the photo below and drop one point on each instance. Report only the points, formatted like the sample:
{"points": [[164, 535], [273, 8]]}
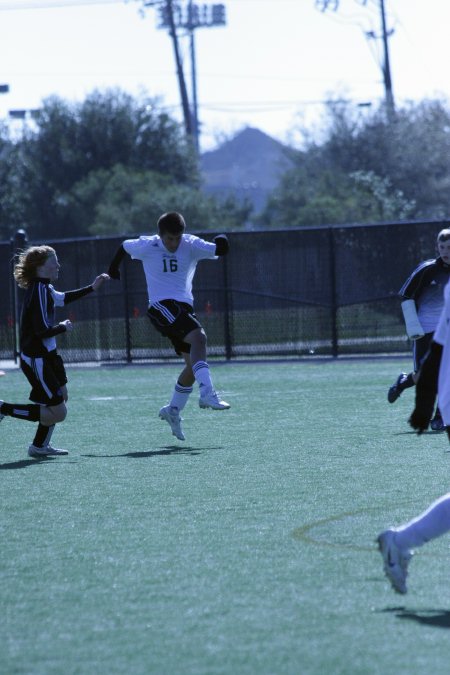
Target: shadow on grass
{"points": [[429, 432], [166, 450], [439, 618], [24, 463]]}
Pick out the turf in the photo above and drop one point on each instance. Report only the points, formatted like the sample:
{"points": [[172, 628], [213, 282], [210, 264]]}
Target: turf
{"points": [[247, 549]]}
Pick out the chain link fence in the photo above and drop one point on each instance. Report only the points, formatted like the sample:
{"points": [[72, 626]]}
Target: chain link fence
{"points": [[323, 291]]}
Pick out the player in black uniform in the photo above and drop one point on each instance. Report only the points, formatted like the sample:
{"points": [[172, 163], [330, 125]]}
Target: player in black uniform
{"points": [[422, 302], [39, 360]]}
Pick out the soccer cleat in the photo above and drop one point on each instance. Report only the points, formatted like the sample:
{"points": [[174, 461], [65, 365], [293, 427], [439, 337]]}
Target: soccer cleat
{"points": [[395, 391], [172, 416], [395, 560], [209, 399], [46, 451], [437, 423]]}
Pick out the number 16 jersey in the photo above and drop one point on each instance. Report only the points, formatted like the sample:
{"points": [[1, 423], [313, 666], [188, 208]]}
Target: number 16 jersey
{"points": [[169, 275]]}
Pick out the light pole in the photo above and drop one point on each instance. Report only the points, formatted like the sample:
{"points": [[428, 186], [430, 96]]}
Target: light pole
{"points": [[173, 15]]}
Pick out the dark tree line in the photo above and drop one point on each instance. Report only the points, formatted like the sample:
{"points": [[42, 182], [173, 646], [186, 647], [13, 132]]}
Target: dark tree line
{"points": [[112, 164], [368, 169]]}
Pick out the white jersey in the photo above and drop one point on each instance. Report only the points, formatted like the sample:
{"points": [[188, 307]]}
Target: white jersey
{"points": [[442, 337], [169, 275]]}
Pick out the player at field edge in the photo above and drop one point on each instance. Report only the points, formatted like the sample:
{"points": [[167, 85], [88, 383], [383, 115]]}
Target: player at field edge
{"points": [[396, 543], [422, 302], [169, 259], [40, 362]]}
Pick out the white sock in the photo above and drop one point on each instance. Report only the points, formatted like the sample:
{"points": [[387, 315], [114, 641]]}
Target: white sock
{"points": [[180, 396], [433, 523], [202, 374]]}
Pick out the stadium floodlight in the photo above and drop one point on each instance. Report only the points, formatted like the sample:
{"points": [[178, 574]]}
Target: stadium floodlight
{"points": [[192, 16]]}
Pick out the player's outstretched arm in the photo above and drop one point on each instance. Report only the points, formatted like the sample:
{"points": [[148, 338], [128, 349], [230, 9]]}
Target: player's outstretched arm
{"points": [[426, 389], [71, 296], [113, 270], [222, 244], [99, 280]]}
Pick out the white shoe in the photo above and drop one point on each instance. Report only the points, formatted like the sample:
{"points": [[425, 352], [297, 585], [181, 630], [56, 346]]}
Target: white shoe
{"points": [[172, 416], [46, 451], [209, 399], [395, 560]]}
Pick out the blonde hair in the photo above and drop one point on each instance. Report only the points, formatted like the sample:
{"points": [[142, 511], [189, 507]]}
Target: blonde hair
{"points": [[443, 235], [28, 262]]}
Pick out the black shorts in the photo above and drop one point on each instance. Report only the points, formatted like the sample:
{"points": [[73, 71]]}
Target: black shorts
{"points": [[47, 375], [420, 349], [174, 320]]}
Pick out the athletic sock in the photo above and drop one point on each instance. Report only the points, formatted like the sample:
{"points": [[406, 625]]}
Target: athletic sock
{"points": [[202, 374], [43, 436], [180, 396], [22, 411], [434, 522]]}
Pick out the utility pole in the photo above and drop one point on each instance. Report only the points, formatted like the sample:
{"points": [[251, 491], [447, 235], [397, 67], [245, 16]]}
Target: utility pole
{"points": [[173, 15], [386, 65], [323, 5], [180, 72], [191, 27], [166, 10]]}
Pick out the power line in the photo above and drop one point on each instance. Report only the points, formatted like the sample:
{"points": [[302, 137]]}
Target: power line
{"points": [[54, 4]]}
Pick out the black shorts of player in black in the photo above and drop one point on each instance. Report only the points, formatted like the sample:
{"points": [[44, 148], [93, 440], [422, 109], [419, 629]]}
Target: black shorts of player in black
{"points": [[174, 320], [46, 375]]}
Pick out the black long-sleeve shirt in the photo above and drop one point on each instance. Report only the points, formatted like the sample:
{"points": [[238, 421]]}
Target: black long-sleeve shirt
{"points": [[37, 323], [425, 286]]}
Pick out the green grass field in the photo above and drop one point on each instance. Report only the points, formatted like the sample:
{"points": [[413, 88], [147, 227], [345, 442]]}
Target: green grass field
{"points": [[246, 550]]}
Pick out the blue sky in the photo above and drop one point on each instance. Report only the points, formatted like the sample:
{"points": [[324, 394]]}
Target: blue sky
{"points": [[271, 66]]}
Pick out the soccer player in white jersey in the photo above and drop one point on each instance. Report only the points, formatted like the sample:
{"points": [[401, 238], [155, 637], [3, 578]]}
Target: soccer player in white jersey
{"points": [[422, 302], [396, 544], [169, 259], [40, 362]]}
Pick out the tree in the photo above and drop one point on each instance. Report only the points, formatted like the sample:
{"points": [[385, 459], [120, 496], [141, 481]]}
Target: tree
{"points": [[12, 216], [72, 140], [369, 169], [334, 197], [108, 165], [126, 201]]}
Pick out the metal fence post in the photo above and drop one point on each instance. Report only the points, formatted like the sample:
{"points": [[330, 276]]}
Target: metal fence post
{"points": [[127, 312], [333, 303], [227, 311]]}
